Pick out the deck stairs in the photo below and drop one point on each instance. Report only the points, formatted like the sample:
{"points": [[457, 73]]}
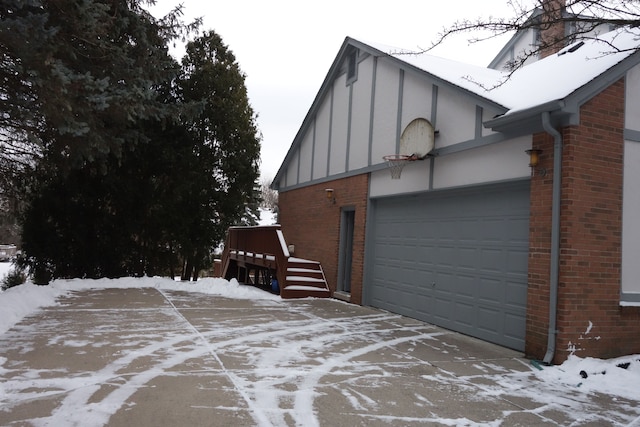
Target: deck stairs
{"points": [[260, 256], [305, 278]]}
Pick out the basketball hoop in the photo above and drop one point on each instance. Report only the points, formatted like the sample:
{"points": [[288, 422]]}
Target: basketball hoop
{"points": [[397, 162]]}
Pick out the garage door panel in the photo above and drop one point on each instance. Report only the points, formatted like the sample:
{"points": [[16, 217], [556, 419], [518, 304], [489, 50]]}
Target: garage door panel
{"points": [[517, 261], [519, 229], [443, 309], [516, 295], [467, 257], [445, 254], [464, 286], [513, 324], [491, 292], [465, 312], [463, 257], [489, 321]]}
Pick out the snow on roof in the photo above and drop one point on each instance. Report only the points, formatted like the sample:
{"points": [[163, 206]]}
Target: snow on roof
{"points": [[552, 78], [557, 76], [473, 78]]}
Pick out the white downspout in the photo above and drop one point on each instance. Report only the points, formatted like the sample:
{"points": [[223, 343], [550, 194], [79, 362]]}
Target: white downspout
{"points": [[555, 236]]}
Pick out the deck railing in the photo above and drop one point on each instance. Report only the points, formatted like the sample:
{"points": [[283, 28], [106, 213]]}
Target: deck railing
{"points": [[262, 246]]}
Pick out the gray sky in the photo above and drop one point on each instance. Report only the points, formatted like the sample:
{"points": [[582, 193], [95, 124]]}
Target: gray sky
{"points": [[285, 47]]}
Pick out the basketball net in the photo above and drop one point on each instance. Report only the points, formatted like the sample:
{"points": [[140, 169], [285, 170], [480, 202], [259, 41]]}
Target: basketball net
{"points": [[397, 162]]}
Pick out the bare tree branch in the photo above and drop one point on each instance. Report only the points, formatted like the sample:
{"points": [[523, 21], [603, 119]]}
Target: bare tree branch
{"points": [[578, 19]]}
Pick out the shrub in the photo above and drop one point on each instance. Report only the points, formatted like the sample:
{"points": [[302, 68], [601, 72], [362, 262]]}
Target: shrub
{"points": [[14, 278]]}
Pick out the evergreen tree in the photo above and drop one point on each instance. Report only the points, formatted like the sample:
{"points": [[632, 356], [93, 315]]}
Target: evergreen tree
{"points": [[76, 75], [120, 223], [227, 149], [79, 86], [134, 164]]}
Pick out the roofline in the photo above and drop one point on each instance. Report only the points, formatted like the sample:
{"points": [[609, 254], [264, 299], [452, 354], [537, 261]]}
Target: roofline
{"points": [[481, 99], [333, 69]]}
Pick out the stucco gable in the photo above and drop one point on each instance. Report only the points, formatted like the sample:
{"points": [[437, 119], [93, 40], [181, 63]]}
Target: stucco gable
{"points": [[451, 74]]}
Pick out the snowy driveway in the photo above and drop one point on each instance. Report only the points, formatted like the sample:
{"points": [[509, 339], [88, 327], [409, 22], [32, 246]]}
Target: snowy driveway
{"points": [[164, 357]]}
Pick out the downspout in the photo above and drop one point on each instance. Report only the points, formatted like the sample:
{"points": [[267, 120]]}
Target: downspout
{"points": [[555, 236]]}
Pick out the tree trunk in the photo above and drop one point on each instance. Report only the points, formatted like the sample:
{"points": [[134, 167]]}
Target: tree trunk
{"points": [[187, 270]]}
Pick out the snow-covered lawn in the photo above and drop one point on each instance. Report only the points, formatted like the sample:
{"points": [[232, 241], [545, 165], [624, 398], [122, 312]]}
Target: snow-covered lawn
{"points": [[378, 364]]}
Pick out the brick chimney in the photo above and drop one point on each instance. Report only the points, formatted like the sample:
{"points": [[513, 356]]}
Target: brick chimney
{"points": [[552, 28]]}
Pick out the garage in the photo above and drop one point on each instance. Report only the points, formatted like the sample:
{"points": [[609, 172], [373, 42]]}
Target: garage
{"points": [[455, 258]]}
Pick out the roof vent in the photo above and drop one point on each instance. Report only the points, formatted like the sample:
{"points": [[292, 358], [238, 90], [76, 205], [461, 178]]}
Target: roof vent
{"points": [[571, 49]]}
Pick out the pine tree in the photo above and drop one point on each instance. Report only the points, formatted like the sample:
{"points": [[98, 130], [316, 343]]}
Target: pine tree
{"points": [[79, 87], [75, 77], [227, 144], [135, 164]]}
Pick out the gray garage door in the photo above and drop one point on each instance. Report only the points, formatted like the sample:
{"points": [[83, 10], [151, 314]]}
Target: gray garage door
{"points": [[457, 259]]}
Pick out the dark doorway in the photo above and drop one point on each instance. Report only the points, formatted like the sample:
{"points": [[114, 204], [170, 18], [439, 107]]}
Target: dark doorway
{"points": [[347, 224]]}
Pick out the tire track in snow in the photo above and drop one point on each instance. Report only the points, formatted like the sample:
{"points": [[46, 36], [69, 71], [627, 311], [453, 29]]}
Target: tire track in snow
{"points": [[256, 412], [80, 391], [304, 397]]}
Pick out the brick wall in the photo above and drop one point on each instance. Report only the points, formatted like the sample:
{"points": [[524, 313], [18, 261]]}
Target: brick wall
{"points": [[311, 223], [590, 319]]}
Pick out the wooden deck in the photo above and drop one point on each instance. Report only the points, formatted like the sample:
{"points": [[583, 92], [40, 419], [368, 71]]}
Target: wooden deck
{"points": [[259, 256]]}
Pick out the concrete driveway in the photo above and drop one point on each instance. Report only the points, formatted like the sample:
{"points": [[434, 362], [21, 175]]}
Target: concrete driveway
{"points": [[150, 357]]}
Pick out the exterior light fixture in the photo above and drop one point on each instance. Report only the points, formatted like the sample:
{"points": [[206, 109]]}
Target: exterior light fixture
{"points": [[330, 197], [534, 161]]}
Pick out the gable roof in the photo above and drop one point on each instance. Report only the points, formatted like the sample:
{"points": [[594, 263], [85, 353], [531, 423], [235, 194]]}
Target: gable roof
{"points": [[439, 69], [560, 82]]}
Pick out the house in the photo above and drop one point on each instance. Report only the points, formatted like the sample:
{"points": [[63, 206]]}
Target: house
{"points": [[529, 38], [542, 258]]}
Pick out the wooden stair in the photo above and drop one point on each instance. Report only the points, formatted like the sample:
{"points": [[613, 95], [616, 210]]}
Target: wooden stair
{"points": [[305, 278]]}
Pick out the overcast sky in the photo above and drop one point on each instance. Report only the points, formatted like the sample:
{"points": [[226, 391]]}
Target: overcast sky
{"points": [[285, 47]]}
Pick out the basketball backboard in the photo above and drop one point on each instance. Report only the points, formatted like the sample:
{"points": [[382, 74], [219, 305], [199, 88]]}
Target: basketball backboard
{"points": [[417, 138]]}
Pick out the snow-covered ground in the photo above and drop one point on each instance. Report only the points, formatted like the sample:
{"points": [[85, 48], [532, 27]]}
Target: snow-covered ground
{"points": [[618, 378]]}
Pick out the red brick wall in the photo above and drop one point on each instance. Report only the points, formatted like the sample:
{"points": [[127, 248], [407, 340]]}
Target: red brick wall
{"points": [[311, 223], [590, 239]]}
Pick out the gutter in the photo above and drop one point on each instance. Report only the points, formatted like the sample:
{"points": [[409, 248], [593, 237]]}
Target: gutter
{"points": [[555, 236], [515, 119]]}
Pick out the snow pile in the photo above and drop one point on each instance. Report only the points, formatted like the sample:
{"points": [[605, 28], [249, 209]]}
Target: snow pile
{"points": [[20, 301], [5, 267], [619, 376], [210, 286]]}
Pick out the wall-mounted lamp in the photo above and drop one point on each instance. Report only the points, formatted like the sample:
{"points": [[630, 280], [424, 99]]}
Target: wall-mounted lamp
{"points": [[330, 197], [534, 161]]}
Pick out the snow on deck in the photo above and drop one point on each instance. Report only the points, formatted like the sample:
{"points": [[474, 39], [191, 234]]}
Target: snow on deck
{"points": [[304, 279], [305, 288], [302, 261]]}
